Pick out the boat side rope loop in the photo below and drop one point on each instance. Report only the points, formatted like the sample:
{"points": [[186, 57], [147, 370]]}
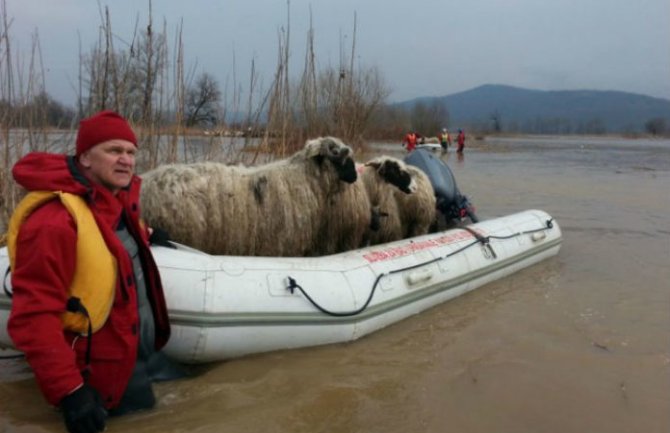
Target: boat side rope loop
{"points": [[479, 239], [489, 252], [14, 356], [294, 285], [9, 295], [4, 283], [549, 224]]}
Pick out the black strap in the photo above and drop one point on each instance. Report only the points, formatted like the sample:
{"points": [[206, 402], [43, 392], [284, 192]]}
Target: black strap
{"points": [[485, 241], [4, 282], [74, 305]]}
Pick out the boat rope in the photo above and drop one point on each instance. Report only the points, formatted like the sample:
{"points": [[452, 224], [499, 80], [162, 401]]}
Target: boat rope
{"points": [[9, 295], [4, 283], [479, 239], [489, 252], [15, 356]]}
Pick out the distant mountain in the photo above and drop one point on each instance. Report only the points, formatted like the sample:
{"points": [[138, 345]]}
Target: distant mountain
{"points": [[537, 111]]}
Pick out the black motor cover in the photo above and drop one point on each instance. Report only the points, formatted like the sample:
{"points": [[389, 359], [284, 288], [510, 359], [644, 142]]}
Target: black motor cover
{"points": [[449, 199], [438, 172]]}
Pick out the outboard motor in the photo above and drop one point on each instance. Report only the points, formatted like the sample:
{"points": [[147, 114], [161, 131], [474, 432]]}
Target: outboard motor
{"points": [[453, 205]]}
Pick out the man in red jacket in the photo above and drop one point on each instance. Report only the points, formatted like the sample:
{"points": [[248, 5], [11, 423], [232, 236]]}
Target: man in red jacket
{"points": [[87, 372], [461, 141]]}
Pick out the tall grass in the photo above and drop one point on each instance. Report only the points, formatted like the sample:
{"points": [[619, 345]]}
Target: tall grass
{"points": [[143, 76], [23, 111]]}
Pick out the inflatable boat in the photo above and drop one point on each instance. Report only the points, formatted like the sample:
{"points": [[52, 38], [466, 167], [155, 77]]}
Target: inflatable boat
{"points": [[224, 307], [429, 146]]}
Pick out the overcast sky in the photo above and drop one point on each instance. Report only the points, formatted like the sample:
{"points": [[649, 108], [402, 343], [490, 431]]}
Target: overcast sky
{"points": [[421, 47]]}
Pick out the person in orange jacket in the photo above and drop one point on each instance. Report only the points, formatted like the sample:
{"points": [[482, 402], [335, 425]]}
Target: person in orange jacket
{"points": [[86, 372], [410, 141]]}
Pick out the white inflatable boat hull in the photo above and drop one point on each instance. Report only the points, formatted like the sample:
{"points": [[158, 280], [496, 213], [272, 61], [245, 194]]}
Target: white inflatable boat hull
{"points": [[429, 146], [224, 307]]}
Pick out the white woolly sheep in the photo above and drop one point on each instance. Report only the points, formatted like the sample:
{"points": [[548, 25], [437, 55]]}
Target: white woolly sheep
{"points": [[354, 217], [416, 211], [270, 210], [383, 178], [346, 220]]}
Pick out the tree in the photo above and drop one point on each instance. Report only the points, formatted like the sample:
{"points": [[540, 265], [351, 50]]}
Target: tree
{"points": [[53, 113], [429, 118], [496, 121], [390, 122], [655, 126], [349, 99], [202, 101], [591, 126]]}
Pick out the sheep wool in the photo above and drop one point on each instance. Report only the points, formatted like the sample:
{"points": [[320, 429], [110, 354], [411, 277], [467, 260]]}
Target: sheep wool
{"points": [[346, 221], [381, 197], [276, 209], [383, 178], [417, 210]]}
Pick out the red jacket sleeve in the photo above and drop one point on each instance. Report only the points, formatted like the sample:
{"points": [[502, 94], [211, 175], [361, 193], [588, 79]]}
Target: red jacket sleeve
{"points": [[44, 268]]}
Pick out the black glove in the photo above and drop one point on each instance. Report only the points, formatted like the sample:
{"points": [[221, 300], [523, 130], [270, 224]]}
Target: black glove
{"points": [[160, 237], [83, 411]]}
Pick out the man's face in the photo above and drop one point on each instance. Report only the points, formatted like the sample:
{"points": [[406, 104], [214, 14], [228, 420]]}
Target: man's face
{"points": [[110, 163]]}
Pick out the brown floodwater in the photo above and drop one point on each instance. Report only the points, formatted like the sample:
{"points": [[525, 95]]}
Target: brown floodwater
{"points": [[578, 343]]}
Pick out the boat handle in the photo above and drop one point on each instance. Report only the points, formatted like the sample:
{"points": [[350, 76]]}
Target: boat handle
{"points": [[538, 236], [419, 276]]}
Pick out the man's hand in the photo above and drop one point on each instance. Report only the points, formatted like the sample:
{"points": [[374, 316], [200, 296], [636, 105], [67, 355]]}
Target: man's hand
{"points": [[83, 411]]}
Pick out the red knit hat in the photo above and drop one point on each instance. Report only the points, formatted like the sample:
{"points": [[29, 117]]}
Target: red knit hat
{"points": [[103, 126]]}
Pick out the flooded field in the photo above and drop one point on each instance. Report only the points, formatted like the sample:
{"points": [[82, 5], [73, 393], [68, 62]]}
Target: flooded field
{"points": [[578, 343]]}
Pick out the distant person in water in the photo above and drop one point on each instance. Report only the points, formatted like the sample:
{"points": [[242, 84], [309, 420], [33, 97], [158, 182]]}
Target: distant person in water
{"points": [[445, 139], [461, 141], [410, 141]]}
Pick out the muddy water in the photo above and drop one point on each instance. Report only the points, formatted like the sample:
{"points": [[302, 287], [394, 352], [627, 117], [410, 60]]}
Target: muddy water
{"points": [[578, 343]]}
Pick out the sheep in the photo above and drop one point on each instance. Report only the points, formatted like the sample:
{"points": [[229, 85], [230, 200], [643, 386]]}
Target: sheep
{"points": [[354, 219], [383, 178], [416, 211], [270, 210], [346, 220]]}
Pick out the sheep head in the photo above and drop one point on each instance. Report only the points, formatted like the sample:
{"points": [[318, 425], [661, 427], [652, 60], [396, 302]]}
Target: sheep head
{"points": [[332, 149], [395, 172]]}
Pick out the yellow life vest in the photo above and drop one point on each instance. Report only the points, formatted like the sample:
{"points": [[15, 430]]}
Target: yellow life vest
{"points": [[94, 280]]}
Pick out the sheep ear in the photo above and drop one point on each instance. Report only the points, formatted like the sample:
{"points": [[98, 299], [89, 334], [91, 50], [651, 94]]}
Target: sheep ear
{"points": [[383, 167], [313, 147], [389, 168], [334, 148], [375, 163]]}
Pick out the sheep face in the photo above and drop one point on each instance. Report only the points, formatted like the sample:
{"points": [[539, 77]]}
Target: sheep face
{"points": [[347, 170], [394, 172], [332, 149]]}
